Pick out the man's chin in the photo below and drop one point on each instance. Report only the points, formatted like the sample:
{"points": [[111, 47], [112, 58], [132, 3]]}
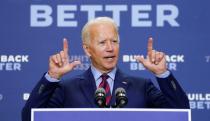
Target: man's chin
{"points": [[110, 67]]}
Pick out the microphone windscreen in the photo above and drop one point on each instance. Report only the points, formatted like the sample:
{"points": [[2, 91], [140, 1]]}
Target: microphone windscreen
{"points": [[100, 90], [120, 90]]}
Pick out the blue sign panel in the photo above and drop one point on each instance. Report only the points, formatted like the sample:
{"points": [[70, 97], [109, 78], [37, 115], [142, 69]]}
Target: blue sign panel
{"points": [[111, 115]]}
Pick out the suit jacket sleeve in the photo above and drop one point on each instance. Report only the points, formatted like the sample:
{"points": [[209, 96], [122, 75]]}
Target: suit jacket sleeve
{"points": [[170, 95], [41, 97]]}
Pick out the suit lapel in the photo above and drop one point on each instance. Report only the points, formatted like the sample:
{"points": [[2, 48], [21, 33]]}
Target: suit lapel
{"points": [[88, 86], [120, 81]]}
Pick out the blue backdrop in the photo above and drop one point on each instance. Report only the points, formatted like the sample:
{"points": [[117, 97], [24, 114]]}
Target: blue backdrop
{"points": [[32, 30]]}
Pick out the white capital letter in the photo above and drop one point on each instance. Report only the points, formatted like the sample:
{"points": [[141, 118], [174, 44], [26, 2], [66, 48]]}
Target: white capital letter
{"points": [[116, 9], [138, 13], [40, 15], [64, 16], [91, 9], [170, 18]]}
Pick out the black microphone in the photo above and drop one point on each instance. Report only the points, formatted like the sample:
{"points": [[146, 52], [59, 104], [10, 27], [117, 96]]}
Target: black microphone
{"points": [[100, 97], [121, 99]]}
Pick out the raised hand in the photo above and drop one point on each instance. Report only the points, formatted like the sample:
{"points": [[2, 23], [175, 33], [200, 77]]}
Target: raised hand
{"points": [[59, 63], [155, 61]]}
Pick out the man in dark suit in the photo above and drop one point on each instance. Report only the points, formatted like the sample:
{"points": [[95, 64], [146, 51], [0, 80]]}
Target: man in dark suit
{"points": [[101, 45]]}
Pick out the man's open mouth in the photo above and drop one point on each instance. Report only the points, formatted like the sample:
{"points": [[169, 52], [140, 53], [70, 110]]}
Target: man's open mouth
{"points": [[109, 57]]}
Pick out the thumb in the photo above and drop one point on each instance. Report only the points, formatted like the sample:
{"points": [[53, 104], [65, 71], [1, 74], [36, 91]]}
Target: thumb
{"points": [[74, 64], [140, 59]]}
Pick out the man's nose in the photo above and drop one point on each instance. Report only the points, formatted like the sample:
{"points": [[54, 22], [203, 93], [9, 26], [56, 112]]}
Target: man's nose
{"points": [[109, 46]]}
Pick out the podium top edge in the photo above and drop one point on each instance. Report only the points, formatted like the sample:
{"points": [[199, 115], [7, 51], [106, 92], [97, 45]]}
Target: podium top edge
{"points": [[109, 109]]}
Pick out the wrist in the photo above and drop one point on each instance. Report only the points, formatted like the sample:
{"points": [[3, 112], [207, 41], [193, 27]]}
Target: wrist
{"points": [[54, 75], [159, 72], [163, 75]]}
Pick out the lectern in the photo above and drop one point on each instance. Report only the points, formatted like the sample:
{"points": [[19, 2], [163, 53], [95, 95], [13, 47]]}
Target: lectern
{"points": [[109, 114]]}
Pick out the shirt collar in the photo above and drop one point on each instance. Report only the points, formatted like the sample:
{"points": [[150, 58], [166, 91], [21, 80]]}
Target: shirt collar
{"points": [[97, 74]]}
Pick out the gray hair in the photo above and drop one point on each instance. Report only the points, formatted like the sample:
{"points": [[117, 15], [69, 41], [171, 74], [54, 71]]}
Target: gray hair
{"points": [[86, 31]]}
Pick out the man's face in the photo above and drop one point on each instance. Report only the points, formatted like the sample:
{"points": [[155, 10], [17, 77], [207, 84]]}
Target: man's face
{"points": [[103, 47]]}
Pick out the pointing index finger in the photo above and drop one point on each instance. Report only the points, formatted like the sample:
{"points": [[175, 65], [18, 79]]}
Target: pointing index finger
{"points": [[150, 47], [65, 46]]}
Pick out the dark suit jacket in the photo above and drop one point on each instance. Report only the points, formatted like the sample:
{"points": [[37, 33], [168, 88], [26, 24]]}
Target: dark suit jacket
{"points": [[79, 91]]}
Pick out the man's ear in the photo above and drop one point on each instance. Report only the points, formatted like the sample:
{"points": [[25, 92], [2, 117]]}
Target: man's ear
{"points": [[86, 49]]}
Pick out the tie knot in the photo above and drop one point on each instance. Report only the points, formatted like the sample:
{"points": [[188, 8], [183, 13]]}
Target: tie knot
{"points": [[104, 77]]}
